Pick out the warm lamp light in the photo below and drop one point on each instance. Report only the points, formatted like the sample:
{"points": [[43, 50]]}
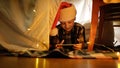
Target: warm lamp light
{"points": [[111, 1], [118, 54]]}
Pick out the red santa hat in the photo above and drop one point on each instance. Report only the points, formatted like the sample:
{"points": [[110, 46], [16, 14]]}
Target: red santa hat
{"points": [[66, 12]]}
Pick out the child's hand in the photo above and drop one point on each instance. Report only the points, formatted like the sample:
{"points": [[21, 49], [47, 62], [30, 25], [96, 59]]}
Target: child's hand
{"points": [[60, 45], [77, 46]]}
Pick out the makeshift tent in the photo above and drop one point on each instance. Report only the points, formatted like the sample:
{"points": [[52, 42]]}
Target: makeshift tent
{"points": [[25, 24]]}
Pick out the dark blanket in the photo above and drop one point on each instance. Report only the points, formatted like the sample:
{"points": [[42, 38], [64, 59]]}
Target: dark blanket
{"points": [[58, 53]]}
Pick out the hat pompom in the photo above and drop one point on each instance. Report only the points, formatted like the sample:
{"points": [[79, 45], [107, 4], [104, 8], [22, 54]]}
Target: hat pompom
{"points": [[54, 32]]}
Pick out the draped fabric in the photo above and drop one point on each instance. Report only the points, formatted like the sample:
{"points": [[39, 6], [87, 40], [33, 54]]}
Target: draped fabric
{"points": [[25, 24]]}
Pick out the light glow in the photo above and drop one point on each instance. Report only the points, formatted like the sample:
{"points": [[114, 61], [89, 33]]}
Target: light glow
{"points": [[111, 1], [118, 65], [37, 63]]}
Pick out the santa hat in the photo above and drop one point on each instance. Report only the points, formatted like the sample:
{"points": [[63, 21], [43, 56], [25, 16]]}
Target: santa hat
{"points": [[67, 12]]}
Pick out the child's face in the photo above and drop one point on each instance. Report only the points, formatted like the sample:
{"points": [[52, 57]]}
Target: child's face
{"points": [[67, 25]]}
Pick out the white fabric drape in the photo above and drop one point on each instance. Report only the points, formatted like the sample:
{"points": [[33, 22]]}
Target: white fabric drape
{"points": [[25, 24], [84, 10]]}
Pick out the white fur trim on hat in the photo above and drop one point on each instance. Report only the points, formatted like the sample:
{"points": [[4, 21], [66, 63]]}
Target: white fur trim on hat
{"points": [[68, 13]]}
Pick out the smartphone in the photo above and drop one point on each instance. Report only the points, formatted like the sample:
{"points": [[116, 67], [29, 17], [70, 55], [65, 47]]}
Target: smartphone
{"points": [[67, 46]]}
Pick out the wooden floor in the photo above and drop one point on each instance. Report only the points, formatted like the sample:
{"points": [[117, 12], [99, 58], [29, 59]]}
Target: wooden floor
{"points": [[25, 62]]}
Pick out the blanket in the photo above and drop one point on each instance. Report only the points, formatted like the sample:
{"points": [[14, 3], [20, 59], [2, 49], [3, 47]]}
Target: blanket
{"points": [[59, 53]]}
